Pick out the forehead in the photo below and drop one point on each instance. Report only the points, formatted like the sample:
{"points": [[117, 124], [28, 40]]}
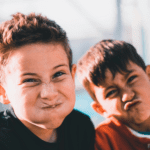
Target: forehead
{"points": [[37, 56]]}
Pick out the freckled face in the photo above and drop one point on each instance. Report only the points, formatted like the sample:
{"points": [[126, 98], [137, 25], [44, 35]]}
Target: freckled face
{"points": [[127, 96], [39, 84]]}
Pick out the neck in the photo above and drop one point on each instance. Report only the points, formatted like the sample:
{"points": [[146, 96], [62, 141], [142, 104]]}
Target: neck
{"points": [[47, 135]]}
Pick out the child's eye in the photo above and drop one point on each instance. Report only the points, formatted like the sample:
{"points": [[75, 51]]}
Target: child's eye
{"points": [[30, 80], [110, 93], [131, 78], [58, 74]]}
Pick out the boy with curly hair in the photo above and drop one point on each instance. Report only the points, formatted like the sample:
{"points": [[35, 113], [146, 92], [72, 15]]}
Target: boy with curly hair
{"points": [[37, 80]]}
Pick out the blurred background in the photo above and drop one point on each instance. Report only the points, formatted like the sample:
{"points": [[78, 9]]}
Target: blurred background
{"points": [[86, 23]]}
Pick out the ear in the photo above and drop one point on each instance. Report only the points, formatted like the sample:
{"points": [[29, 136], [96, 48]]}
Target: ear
{"points": [[73, 71], [98, 108], [3, 96], [148, 70]]}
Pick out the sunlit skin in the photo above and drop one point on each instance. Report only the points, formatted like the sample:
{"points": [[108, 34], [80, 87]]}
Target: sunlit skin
{"points": [[40, 87], [125, 97]]}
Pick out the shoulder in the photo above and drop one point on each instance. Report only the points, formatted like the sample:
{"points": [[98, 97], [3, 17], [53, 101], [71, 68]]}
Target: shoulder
{"points": [[105, 124], [3, 126], [80, 130], [106, 135], [4, 131], [4, 123], [110, 123], [3, 119], [76, 113], [110, 130], [79, 118], [77, 122]]}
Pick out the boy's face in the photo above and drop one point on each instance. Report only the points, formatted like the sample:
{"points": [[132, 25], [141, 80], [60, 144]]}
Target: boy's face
{"points": [[126, 97], [39, 84]]}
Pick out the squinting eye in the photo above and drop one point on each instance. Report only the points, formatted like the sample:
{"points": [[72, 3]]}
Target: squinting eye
{"points": [[131, 78], [58, 74], [110, 93], [29, 80]]}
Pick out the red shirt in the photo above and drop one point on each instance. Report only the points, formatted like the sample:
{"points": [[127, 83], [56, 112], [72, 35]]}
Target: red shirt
{"points": [[113, 135]]}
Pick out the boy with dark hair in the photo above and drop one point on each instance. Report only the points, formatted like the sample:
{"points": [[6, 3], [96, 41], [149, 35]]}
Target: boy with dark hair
{"points": [[37, 80], [118, 81]]}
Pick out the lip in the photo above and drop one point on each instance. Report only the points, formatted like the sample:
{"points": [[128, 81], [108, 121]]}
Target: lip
{"points": [[130, 104], [52, 106]]}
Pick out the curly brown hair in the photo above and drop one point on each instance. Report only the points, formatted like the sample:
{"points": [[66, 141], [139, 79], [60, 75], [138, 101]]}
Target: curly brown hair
{"points": [[28, 29]]}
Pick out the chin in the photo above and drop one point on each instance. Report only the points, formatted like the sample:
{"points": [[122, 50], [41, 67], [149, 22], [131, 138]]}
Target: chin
{"points": [[140, 120], [52, 125], [49, 125]]}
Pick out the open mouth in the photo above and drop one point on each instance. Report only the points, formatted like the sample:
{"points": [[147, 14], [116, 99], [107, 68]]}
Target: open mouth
{"points": [[131, 104]]}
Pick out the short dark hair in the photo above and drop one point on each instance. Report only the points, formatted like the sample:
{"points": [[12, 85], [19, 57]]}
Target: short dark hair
{"points": [[28, 29], [107, 54]]}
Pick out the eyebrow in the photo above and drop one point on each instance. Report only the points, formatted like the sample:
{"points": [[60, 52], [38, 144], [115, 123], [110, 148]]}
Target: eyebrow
{"points": [[29, 73], [127, 74], [60, 66], [34, 74], [109, 87]]}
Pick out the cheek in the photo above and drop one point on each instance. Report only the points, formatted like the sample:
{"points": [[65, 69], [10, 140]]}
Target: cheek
{"points": [[113, 105], [67, 87], [23, 98], [143, 92], [68, 91]]}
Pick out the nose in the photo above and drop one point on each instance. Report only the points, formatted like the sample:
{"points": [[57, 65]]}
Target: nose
{"points": [[48, 91], [127, 95]]}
